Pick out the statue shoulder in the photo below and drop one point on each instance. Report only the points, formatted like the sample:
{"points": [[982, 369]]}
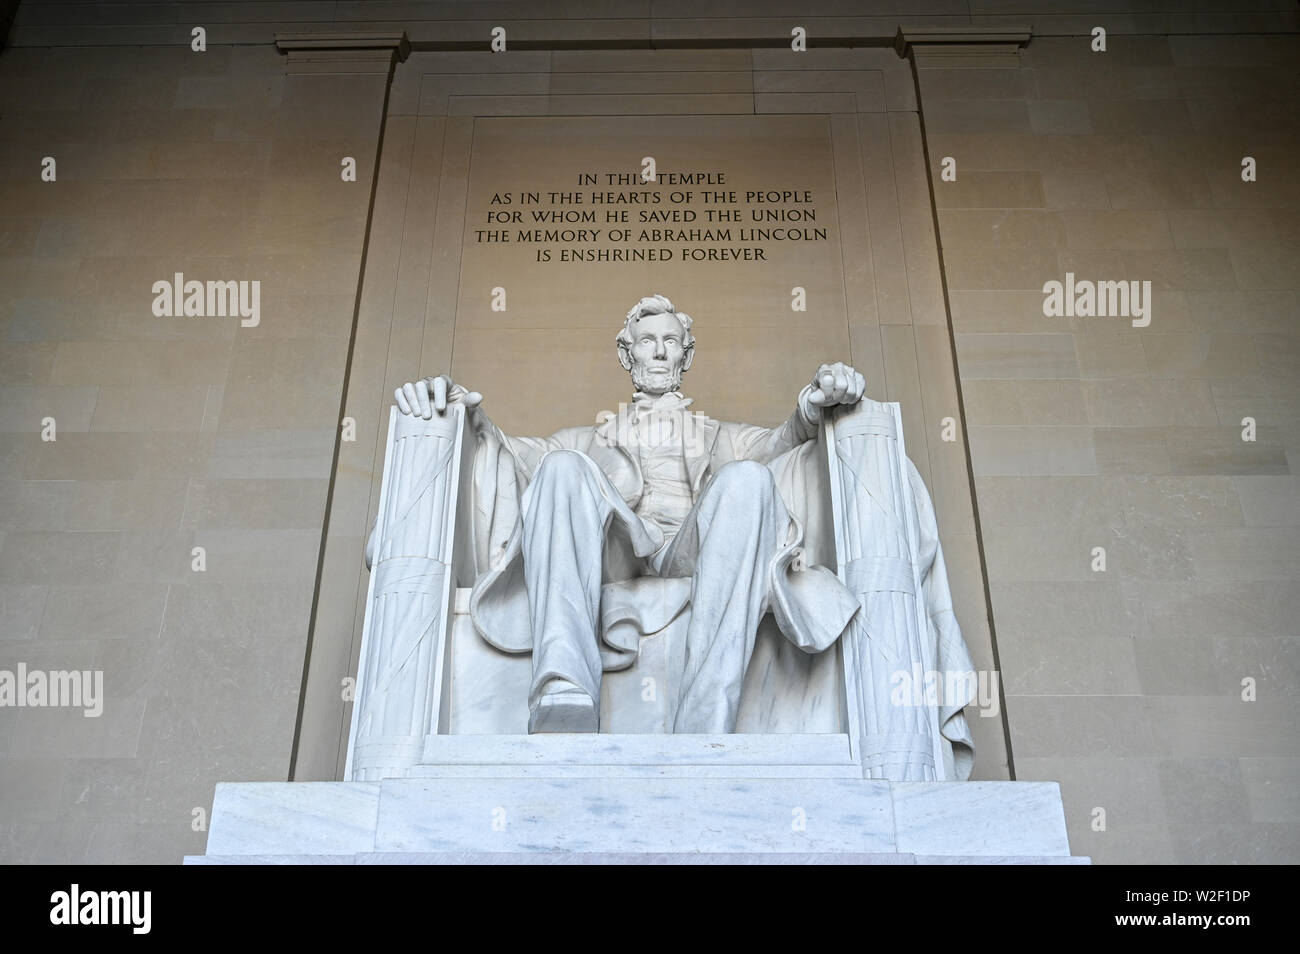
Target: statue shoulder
{"points": [[576, 437]]}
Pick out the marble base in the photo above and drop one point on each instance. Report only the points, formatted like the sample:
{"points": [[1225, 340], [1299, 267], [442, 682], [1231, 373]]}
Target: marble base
{"points": [[637, 820], [628, 858]]}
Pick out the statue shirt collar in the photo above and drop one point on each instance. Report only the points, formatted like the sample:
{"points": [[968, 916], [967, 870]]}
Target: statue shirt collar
{"points": [[643, 403]]}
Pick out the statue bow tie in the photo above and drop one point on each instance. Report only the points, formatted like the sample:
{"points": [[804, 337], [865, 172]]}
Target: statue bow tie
{"points": [[643, 403]]}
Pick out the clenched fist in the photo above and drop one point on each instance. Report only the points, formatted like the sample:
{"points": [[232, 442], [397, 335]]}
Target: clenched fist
{"points": [[425, 397], [836, 384]]}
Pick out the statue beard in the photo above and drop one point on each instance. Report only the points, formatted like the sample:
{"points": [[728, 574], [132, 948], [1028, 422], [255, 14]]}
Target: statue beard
{"points": [[643, 380]]}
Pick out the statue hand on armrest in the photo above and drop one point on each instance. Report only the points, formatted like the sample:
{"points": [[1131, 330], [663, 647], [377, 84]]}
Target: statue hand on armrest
{"points": [[428, 396], [836, 384]]}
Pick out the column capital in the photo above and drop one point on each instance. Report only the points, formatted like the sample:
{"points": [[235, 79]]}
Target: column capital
{"points": [[343, 52], [962, 46]]}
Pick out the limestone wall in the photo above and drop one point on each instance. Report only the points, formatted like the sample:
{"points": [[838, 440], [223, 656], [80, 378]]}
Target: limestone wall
{"points": [[1126, 684]]}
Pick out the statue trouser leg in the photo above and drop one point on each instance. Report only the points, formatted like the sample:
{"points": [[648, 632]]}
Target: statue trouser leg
{"points": [[565, 516], [734, 530]]}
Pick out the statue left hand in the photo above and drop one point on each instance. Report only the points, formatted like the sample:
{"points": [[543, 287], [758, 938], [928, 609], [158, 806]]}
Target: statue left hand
{"points": [[836, 384]]}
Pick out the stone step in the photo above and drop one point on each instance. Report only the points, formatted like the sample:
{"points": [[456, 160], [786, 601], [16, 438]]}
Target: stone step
{"points": [[564, 819], [631, 858]]}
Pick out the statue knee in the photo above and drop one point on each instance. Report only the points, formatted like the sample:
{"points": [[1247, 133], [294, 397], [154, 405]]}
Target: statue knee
{"points": [[744, 474], [561, 464], [743, 486], [564, 476]]}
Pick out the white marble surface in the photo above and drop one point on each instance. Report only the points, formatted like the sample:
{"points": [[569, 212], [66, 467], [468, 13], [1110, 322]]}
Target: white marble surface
{"points": [[984, 817], [637, 858], [269, 818], [278, 859], [629, 858], [637, 749], [616, 770], [579, 820], [1001, 859], [637, 815]]}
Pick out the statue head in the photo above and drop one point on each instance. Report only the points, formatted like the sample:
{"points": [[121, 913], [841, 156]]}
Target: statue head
{"points": [[656, 345]]}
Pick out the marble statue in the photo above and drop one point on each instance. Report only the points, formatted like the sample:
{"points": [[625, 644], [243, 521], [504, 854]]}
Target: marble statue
{"points": [[660, 494], [523, 591]]}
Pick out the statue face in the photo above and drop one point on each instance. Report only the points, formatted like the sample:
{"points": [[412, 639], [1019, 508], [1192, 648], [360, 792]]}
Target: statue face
{"points": [[658, 353]]}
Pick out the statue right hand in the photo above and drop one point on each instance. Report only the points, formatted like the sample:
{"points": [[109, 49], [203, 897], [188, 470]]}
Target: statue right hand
{"points": [[425, 397]]}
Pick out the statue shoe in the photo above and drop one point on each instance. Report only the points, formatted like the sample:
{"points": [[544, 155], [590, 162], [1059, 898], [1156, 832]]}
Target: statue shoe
{"points": [[564, 708]]}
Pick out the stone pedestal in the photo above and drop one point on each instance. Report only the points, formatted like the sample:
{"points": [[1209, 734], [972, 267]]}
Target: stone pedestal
{"points": [[637, 819]]}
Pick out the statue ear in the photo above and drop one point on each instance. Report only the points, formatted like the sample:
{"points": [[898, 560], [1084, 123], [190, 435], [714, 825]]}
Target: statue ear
{"points": [[688, 358], [624, 358]]}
